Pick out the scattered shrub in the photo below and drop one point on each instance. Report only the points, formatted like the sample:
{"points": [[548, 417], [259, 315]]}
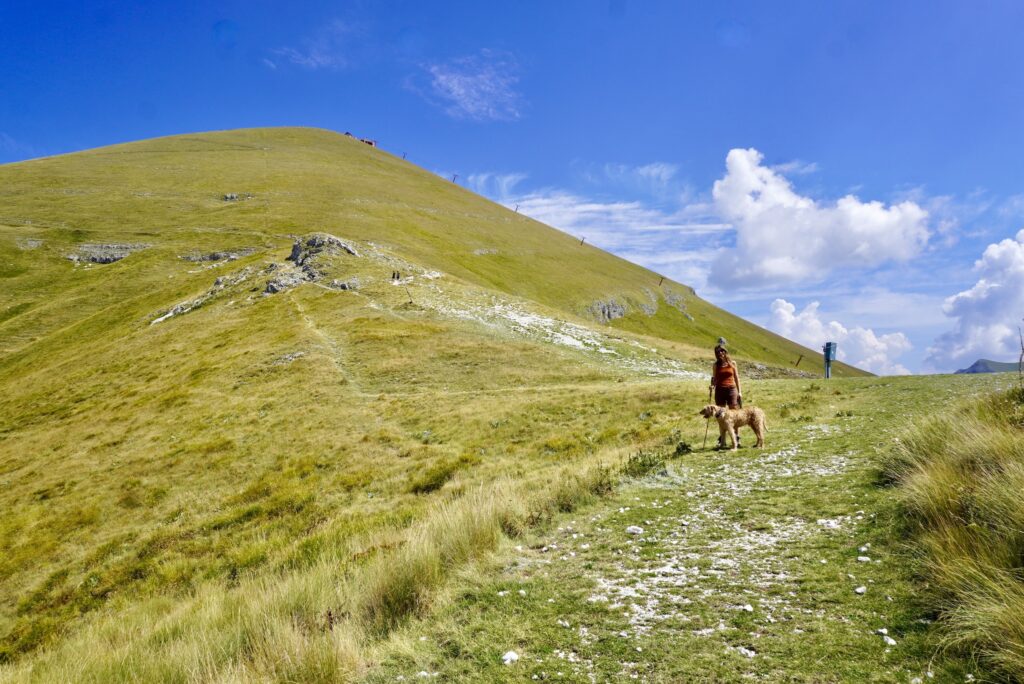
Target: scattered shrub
{"points": [[644, 463]]}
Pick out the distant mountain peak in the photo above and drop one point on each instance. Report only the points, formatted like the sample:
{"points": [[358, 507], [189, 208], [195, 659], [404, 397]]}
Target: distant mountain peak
{"points": [[987, 366]]}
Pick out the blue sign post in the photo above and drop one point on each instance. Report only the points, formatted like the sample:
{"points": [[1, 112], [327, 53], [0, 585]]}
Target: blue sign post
{"points": [[830, 355]]}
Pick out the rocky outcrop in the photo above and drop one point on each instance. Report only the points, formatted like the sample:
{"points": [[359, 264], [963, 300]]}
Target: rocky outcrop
{"points": [[285, 280], [103, 254], [606, 311], [219, 285], [27, 244], [316, 244], [307, 255], [197, 257], [350, 284], [650, 307]]}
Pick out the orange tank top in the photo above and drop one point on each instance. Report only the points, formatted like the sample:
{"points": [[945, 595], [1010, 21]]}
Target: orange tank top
{"points": [[724, 376]]}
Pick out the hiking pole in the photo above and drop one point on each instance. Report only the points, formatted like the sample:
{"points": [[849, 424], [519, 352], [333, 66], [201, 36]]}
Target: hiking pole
{"points": [[707, 424]]}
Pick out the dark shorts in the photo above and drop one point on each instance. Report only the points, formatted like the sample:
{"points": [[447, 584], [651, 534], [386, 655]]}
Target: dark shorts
{"points": [[727, 396]]}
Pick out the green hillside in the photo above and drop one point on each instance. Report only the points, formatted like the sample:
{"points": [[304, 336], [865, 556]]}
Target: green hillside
{"points": [[200, 424], [168, 193]]}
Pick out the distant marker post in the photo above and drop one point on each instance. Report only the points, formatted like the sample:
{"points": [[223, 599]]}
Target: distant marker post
{"points": [[830, 355]]}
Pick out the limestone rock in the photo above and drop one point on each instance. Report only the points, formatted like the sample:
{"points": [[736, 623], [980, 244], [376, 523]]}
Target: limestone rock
{"points": [[608, 311], [315, 244], [103, 254]]}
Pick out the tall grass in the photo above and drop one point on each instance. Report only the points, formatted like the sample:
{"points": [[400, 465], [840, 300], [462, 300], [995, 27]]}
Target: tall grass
{"points": [[313, 625], [961, 476]]}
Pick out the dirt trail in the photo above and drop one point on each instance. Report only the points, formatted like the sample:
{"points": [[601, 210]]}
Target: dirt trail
{"points": [[331, 347], [781, 564]]}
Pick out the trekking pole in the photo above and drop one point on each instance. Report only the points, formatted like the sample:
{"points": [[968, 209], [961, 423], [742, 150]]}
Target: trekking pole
{"points": [[707, 424]]}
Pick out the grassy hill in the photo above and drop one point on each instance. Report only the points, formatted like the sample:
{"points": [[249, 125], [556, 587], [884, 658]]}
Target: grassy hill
{"points": [[203, 420], [168, 193]]}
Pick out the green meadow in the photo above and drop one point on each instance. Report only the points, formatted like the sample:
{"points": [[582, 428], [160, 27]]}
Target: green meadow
{"points": [[205, 480]]}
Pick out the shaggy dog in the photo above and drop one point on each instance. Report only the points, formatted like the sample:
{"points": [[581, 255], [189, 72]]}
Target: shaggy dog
{"points": [[730, 420]]}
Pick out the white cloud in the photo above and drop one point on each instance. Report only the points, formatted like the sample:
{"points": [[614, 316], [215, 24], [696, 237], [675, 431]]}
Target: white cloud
{"points": [[497, 185], [325, 50], [987, 315], [479, 87], [859, 346], [782, 236], [796, 168], [680, 245], [657, 179], [612, 225]]}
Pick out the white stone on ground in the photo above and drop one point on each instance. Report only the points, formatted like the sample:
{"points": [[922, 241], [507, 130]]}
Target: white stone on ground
{"points": [[634, 529], [861, 590], [510, 657]]}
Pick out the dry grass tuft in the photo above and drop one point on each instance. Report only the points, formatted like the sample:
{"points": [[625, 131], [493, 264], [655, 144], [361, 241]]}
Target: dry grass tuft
{"points": [[961, 476]]}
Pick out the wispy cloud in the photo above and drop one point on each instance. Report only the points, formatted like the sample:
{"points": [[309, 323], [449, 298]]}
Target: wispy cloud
{"points": [[679, 243], [478, 87], [658, 180], [796, 168], [325, 49], [499, 186]]}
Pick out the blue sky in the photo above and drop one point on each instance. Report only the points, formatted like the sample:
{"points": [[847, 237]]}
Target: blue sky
{"points": [[861, 155]]}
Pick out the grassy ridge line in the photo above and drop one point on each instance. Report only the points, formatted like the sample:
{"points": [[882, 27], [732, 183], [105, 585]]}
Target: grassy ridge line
{"points": [[168, 190], [960, 475], [318, 624]]}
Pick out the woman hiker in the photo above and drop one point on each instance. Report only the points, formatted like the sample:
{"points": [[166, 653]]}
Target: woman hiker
{"points": [[725, 382]]}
